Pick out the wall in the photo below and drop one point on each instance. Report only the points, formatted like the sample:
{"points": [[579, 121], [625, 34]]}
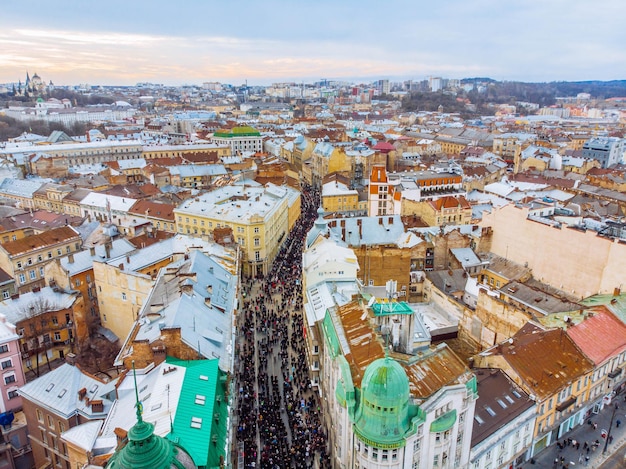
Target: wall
{"points": [[580, 263]]}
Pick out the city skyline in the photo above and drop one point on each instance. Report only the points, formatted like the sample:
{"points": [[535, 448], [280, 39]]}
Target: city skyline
{"points": [[265, 42]]}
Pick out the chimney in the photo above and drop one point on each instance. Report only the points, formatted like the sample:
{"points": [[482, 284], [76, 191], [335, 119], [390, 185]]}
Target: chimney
{"points": [[343, 234], [207, 301], [617, 291], [92, 251], [107, 249], [70, 359], [82, 393], [121, 266], [70, 258], [380, 221], [391, 220]]}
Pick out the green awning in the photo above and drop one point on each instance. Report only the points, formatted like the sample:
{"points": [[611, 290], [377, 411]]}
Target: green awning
{"points": [[443, 423]]}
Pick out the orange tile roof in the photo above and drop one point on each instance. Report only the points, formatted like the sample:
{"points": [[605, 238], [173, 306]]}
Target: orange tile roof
{"points": [[153, 209], [52, 237], [546, 360], [365, 346], [440, 367]]}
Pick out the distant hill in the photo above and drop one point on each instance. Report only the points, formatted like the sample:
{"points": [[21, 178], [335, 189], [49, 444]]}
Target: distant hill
{"points": [[509, 92]]}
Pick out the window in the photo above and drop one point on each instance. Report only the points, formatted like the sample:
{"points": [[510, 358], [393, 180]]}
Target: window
{"points": [[39, 415], [39, 258], [257, 256], [30, 261], [50, 422], [55, 321], [32, 274], [7, 364], [12, 394], [49, 254], [5, 294], [19, 264], [9, 379], [57, 336], [257, 241], [4, 348], [256, 229], [123, 296], [22, 278], [41, 272]]}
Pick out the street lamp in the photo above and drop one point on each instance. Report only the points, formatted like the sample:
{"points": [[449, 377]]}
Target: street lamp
{"points": [[608, 433]]}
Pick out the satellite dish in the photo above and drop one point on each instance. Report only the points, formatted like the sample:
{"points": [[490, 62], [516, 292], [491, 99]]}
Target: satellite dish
{"points": [[371, 301]]}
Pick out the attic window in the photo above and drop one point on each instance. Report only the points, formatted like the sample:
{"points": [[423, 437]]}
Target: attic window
{"points": [[62, 393], [517, 394], [49, 388], [509, 399], [93, 389], [200, 400], [204, 378], [501, 403], [156, 407], [196, 422], [478, 419], [490, 411]]}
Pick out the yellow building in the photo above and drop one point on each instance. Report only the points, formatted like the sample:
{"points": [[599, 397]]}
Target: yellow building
{"points": [[447, 210], [50, 197], [24, 259], [150, 152], [123, 283], [549, 366], [338, 198], [260, 218]]}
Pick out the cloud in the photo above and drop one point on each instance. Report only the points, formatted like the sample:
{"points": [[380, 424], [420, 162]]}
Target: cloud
{"points": [[276, 40]]}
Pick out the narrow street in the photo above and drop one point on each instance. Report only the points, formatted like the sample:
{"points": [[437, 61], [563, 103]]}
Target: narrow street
{"points": [[277, 415]]}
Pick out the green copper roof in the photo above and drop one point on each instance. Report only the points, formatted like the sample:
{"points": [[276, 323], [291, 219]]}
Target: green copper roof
{"points": [[616, 303], [394, 307], [383, 418], [444, 422], [331, 335], [244, 131], [201, 423]]}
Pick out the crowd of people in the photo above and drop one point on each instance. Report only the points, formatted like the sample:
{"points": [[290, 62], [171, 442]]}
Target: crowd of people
{"points": [[278, 414]]}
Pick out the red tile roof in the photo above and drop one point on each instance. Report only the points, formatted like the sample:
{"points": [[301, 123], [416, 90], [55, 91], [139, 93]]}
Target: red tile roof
{"points": [[600, 336]]}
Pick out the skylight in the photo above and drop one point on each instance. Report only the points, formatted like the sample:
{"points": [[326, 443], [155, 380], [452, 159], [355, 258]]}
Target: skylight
{"points": [[62, 393], [49, 388], [196, 422], [490, 411]]}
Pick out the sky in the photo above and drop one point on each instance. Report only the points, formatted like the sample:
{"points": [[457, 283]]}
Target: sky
{"points": [[177, 42]]}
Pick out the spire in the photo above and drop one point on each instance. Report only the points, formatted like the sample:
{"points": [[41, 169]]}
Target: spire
{"points": [[138, 404]]}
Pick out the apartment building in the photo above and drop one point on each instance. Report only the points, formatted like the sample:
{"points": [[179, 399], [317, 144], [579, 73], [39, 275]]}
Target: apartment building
{"points": [[50, 324], [260, 218], [25, 259], [58, 401], [239, 139]]}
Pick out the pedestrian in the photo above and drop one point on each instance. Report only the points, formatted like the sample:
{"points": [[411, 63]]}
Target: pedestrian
{"points": [[618, 423]]}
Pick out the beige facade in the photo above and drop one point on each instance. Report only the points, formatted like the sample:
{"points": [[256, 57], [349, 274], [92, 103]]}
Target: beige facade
{"points": [[121, 291], [25, 259], [577, 262]]}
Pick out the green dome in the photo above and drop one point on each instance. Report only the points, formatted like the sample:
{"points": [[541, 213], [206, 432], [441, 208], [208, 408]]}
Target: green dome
{"points": [[145, 450], [383, 415], [385, 383]]}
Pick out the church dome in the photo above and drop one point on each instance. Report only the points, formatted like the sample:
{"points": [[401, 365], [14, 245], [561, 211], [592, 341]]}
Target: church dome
{"points": [[383, 415]]}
